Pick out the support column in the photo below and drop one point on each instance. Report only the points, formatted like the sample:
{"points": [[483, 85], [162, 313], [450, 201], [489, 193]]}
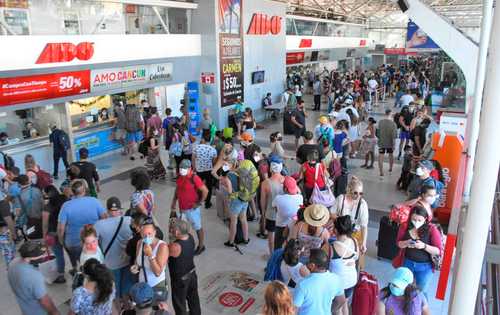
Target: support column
{"points": [[475, 111], [483, 187]]}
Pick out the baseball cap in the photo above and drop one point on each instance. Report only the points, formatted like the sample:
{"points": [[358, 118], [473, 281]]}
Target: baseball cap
{"points": [[247, 137], [32, 249], [142, 295], [274, 158], [426, 164], [185, 164], [323, 119], [113, 203], [402, 277], [290, 185]]}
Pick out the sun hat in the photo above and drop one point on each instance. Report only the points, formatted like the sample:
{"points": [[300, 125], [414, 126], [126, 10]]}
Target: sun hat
{"points": [[316, 215]]}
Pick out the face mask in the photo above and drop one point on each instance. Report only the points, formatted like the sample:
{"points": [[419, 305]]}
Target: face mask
{"points": [[148, 240], [183, 171], [431, 199], [419, 171], [396, 291], [417, 224], [280, 139], [225, 168], [276, 167], [256, 158]]}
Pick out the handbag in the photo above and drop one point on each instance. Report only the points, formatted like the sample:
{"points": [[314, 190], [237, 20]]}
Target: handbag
{"points": [[161, 292], [322, 197], [48, 268], [399, 259]]}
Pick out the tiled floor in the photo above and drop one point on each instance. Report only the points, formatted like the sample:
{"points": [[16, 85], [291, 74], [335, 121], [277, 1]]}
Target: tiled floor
{"points": [[379, 193]]}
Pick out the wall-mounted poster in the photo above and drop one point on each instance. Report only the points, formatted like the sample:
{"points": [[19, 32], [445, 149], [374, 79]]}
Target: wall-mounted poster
{"points": [[231, 51], [416, 38]]}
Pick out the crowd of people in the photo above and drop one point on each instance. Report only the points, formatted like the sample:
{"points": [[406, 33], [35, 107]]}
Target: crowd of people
{"points": [[315, 220]]}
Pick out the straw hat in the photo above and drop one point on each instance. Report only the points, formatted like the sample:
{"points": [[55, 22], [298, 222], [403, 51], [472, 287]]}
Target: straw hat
{"points": [[316, 215]]}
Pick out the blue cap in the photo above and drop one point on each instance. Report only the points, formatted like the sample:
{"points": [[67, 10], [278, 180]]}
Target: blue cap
{"points": [[428, 165], [402, 277], [142, 294], [274, 158]]}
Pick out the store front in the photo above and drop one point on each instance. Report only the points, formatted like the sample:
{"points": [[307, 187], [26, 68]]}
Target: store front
{"points": [[79, 96]]}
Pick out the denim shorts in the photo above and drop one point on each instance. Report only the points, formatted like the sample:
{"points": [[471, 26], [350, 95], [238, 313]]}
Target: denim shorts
{"points": [[134, 136], [193, 216], [237, 206]]}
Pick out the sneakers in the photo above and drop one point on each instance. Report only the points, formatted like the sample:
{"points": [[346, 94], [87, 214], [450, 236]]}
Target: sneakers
{"points": [[199, 250], [229, 244]]}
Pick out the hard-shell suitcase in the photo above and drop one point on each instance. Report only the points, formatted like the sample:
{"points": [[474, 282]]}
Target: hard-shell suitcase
{"points": [[288, 127], [387, 235]]}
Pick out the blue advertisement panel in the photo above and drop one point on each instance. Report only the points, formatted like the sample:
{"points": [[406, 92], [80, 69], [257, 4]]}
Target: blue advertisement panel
{"points": [[416, 38], [194, 107], [97, 143]]}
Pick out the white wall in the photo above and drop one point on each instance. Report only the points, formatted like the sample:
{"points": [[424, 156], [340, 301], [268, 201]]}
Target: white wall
{"points": [[389, 38], [264, 52]]}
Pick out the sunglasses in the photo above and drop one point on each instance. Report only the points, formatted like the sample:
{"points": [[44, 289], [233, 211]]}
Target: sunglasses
{"points": [[357, 193]]}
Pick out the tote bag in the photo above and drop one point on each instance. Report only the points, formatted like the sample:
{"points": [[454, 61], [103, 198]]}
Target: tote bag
{"points": [[322, 197]]}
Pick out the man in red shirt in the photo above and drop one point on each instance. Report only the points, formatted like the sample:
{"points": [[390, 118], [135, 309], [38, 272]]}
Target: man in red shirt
{"points": [[191, 192]]}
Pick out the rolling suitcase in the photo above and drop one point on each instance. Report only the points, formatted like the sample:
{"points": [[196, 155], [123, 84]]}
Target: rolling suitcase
{"points": [[287, 123], [387, 235]]}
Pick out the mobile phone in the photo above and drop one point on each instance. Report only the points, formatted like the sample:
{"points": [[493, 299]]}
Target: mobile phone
{"points": [[412, 242]]}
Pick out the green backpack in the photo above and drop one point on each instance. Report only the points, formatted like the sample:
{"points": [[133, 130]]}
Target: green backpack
{"points": [[248, 181]]}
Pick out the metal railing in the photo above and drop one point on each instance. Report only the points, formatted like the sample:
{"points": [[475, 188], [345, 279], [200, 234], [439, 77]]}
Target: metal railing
{"points": [[488, 297]]}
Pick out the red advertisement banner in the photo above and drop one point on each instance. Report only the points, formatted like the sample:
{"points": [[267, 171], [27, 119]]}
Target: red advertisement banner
{"points": [[44, 86], [294, 57]]}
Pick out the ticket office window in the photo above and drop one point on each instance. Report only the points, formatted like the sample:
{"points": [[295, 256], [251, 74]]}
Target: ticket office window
{"points": [[32, 123], [90, 111]]}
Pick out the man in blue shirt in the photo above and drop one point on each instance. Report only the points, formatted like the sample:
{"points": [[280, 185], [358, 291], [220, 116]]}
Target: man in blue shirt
{"points": [[74, 214], [320, 293]]}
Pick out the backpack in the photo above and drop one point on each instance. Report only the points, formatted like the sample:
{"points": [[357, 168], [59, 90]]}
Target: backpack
{"points": [[396, 120], [400, 213], [273, 267], [132, 119], [335, 169], [248, 181], [365, 295], [8, 162], [43, 179], [63, 140]]}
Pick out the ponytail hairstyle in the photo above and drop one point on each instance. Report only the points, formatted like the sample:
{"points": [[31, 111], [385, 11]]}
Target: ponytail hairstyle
{"points": [[87, 230], [98, 273]]}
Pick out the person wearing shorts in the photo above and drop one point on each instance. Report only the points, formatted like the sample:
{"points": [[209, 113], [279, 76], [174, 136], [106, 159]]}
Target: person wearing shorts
{"points": [[299, 121], [387, 133], [237, 211], [190, 192]]}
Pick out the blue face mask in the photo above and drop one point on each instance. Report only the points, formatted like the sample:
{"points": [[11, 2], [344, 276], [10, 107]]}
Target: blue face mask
{"points": [[148, 240], [396, 291]]}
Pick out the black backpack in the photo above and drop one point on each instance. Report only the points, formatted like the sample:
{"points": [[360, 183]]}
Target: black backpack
{"points": [[63, 140], [396, 119]]}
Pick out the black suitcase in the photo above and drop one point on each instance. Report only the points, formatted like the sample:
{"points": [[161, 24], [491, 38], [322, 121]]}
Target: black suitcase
{"points": [[387, 235], [288, 127]]}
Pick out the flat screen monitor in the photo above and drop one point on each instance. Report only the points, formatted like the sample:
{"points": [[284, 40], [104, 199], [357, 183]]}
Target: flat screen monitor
{"points": [[257, 77], [314, 56]]}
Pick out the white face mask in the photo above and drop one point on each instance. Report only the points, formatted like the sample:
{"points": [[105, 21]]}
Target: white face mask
{"points": [[276, 167], [419, 171], [183, 171], [225, 167], [417, 224], [256, 158], [431, 199]]}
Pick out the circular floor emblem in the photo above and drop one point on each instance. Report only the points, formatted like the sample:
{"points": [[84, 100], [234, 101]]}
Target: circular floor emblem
{"points": [[231, 299]]}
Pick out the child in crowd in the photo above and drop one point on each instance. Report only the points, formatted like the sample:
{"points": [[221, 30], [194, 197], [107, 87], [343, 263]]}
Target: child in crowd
{"points": [[90, 245]]}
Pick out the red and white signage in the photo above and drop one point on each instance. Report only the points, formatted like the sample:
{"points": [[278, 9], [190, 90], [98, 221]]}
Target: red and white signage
{"points": [[294, 43], [44, 86], [262, 24], [35, 52], [294, 57], [398, 51], [208, 78]]}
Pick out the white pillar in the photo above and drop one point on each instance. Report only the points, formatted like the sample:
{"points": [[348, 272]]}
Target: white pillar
{"points": [[475, 111], [482, 194]]}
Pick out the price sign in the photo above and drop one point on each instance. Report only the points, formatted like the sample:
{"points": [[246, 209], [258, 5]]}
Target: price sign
{"points": [[207, 77], [26, 89]]}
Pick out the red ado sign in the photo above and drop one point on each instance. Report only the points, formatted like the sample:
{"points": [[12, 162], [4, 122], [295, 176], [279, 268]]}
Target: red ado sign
{"points": [[44, 86], [66, 52], [262, 24]]}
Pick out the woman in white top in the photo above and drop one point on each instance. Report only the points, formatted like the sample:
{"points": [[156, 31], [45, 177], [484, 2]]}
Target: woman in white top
{"points": [[343, 253], [292, 270], [152, 255], [353, 204], [90, 245]]}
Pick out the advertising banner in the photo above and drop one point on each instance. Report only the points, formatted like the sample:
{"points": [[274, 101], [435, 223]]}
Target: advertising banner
{"points": [[97, 143], [113, 78], [194, 108], [417, 39], [44, 86], [230, 51]]}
